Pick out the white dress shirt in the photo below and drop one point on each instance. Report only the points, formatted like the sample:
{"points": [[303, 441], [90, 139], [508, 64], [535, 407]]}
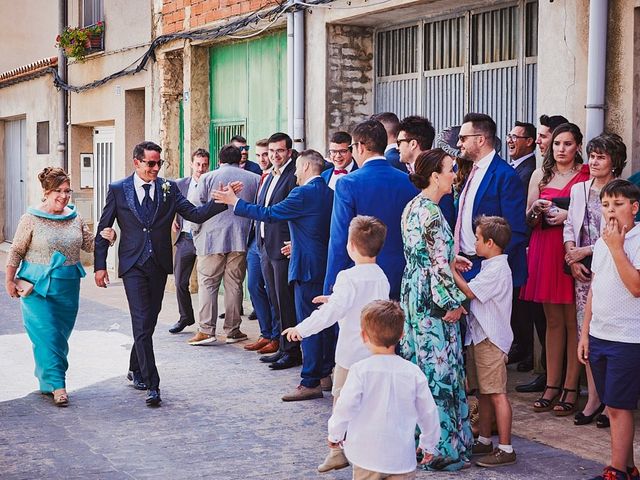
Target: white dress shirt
{"points": [[137, 183], [515, 163], [334, 178], [192, 196], [391, 146], [354, 288], [383, 399], [490, 311], [615, 309], [467, 232], [272, 187]]}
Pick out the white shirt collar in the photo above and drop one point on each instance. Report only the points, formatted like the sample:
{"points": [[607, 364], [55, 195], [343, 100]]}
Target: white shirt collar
{"points": [[390, 147], [485, 161], [374, 158], [281, 168], [348, 168], [515, 162], [138, 182], [315, 176]]}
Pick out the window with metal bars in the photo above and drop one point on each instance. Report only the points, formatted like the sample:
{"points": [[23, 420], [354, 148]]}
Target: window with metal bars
{"points": [[397, 51], [444, 42], [494, 35]]}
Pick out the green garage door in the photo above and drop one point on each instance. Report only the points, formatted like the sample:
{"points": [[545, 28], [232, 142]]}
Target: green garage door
{"points": [[248, 90]]}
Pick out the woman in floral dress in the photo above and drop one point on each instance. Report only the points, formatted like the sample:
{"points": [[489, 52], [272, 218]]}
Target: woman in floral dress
{"points": [[432, 305]]}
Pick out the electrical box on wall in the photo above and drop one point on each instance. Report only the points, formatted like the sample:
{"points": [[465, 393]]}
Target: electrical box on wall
{"points": [[86, 170]]}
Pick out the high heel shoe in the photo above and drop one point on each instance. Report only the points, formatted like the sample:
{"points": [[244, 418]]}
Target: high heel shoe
{"points": [[546, 404], [566, 408], [582, 419]]}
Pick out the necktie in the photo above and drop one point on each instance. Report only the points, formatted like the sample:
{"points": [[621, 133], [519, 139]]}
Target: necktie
{"points": [[463, 198], [147, 203], [340, 172]]}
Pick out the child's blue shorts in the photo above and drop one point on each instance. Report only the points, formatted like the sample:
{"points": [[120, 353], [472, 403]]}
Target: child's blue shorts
{"points": [[616, 367]]}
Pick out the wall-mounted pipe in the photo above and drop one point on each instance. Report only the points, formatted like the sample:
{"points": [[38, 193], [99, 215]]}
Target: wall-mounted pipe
{"points": [[290, 75], [298, 81], [597, 66], [63, 157]]}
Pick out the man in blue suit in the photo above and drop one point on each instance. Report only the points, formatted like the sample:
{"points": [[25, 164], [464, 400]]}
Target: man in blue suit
{"points": [[391, 123], [144, 206], [375, 189], [342, 158], [240, 143], [492, 188], [307, 208]]}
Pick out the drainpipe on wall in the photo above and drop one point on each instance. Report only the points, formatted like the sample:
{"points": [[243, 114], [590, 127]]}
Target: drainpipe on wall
{"points": [[298, 80], [62, 94], [597, 65], [290, 75]]}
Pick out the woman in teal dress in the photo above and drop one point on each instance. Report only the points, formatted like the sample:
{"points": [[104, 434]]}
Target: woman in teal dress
{"points": [[433, 306], [46, 253]]}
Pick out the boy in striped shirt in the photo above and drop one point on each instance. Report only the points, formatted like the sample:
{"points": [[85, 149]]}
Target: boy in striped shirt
{"points": [[489, 338]]}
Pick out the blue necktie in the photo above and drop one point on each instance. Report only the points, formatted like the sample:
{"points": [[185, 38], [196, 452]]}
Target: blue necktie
{"points": [[147, 203]]}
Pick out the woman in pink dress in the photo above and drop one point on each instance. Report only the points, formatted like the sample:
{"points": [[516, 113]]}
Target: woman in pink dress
{"points": [[547, 205]]}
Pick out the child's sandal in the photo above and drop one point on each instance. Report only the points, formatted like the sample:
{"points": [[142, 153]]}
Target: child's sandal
{"points": [[546, 404], [564, 408]]}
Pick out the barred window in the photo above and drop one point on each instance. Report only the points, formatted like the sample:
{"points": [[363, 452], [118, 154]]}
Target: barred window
{"points": [[494, 35], [397, 51], [444, 42]]}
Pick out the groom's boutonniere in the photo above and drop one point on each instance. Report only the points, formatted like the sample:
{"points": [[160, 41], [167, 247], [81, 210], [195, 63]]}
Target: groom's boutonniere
{"points": [[166, 187]]}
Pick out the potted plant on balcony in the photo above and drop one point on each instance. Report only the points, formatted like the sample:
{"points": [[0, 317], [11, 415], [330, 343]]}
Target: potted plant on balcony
{"points": [[77, 42]]}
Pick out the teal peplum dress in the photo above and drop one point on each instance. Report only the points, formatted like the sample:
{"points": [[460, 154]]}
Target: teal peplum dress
{"points": [[46, 250]]}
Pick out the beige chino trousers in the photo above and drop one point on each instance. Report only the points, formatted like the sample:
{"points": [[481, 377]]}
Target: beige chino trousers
{"points": [[212, 270]]}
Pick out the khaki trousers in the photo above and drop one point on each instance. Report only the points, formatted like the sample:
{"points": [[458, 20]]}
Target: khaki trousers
{"points": [[364, 474], [212, 270]]}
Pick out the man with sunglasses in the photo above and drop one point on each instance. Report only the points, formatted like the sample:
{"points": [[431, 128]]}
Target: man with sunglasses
{"points": [[341, 159], [240, 143], [145, 206]]}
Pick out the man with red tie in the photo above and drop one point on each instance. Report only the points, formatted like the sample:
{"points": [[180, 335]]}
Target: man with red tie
{"points": [[341, 157]]}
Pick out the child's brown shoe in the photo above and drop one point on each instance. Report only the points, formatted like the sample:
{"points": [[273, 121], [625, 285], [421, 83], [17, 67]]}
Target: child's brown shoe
{"points": [[335, 460]]}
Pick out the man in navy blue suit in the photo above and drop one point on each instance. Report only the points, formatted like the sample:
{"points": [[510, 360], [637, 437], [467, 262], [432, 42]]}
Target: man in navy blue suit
{"points": [[341, 158], [307, 208], [240, 143], [376, 189], [144, 206], [492, 188], [391, 123]]}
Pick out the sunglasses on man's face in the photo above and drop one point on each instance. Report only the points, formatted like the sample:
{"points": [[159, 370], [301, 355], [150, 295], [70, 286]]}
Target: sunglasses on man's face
{"points": [[244, 148], [153, 163]]}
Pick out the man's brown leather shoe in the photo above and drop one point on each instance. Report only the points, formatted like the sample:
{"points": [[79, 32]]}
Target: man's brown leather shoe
{"points": [[303, 393], [271, 347], [257, 345]]}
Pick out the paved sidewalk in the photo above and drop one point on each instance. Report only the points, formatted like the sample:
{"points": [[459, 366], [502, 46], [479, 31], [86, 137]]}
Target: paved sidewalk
{"points": [[221, 416]]}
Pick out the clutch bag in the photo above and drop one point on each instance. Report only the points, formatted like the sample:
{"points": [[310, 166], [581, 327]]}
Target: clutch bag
{"points": [[24, 288]]}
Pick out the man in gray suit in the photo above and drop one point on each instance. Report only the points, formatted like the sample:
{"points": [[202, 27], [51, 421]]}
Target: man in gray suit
{"points": [[185, 257], [221, 246]]}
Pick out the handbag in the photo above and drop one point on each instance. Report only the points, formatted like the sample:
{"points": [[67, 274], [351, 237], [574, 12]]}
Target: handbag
{"points": [[559, 202], [24, 287], [586, 261]]}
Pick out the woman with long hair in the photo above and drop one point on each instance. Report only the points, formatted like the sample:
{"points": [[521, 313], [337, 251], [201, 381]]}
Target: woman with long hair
{"points": [[547, 283]]}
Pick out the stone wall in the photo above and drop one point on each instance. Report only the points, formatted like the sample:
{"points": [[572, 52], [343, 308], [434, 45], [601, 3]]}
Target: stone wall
{"points": [[349, 93], [171, 77]]}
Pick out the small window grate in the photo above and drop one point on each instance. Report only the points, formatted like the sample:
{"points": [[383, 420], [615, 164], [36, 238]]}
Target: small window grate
{"points": [[444, 44], [397, 51], [222, 132], [494, 36]]}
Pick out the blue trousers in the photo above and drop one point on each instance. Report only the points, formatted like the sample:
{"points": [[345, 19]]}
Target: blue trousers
{"points": [[319, 350], [259, 297]]}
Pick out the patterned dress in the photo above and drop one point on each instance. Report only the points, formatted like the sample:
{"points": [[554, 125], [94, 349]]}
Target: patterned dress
{"points": [[46, 248], [434, 345]]}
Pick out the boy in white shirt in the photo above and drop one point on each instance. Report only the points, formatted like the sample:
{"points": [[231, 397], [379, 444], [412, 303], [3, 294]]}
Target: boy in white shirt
{"points": [[489, 339], [382, 401], [353, 289], [610, 339]]}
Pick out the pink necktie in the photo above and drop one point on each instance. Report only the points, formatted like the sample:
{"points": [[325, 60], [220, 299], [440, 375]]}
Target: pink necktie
{"points": [[463, 198], [340, 172]]}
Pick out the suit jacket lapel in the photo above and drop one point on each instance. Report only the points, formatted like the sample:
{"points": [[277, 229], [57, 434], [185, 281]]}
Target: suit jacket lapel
{"points": [[486, 180], [159, 196], [130, 197]]}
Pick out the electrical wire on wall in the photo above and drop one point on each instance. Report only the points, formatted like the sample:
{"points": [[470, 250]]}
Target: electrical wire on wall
{"points": [[212, 33]]}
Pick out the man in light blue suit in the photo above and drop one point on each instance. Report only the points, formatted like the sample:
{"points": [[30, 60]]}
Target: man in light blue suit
{"points": [[492, 188], [375, 189], [307, 208]]}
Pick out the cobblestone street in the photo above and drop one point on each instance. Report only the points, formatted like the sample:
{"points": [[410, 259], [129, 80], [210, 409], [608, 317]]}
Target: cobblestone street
{"points": [[221, 416]]}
